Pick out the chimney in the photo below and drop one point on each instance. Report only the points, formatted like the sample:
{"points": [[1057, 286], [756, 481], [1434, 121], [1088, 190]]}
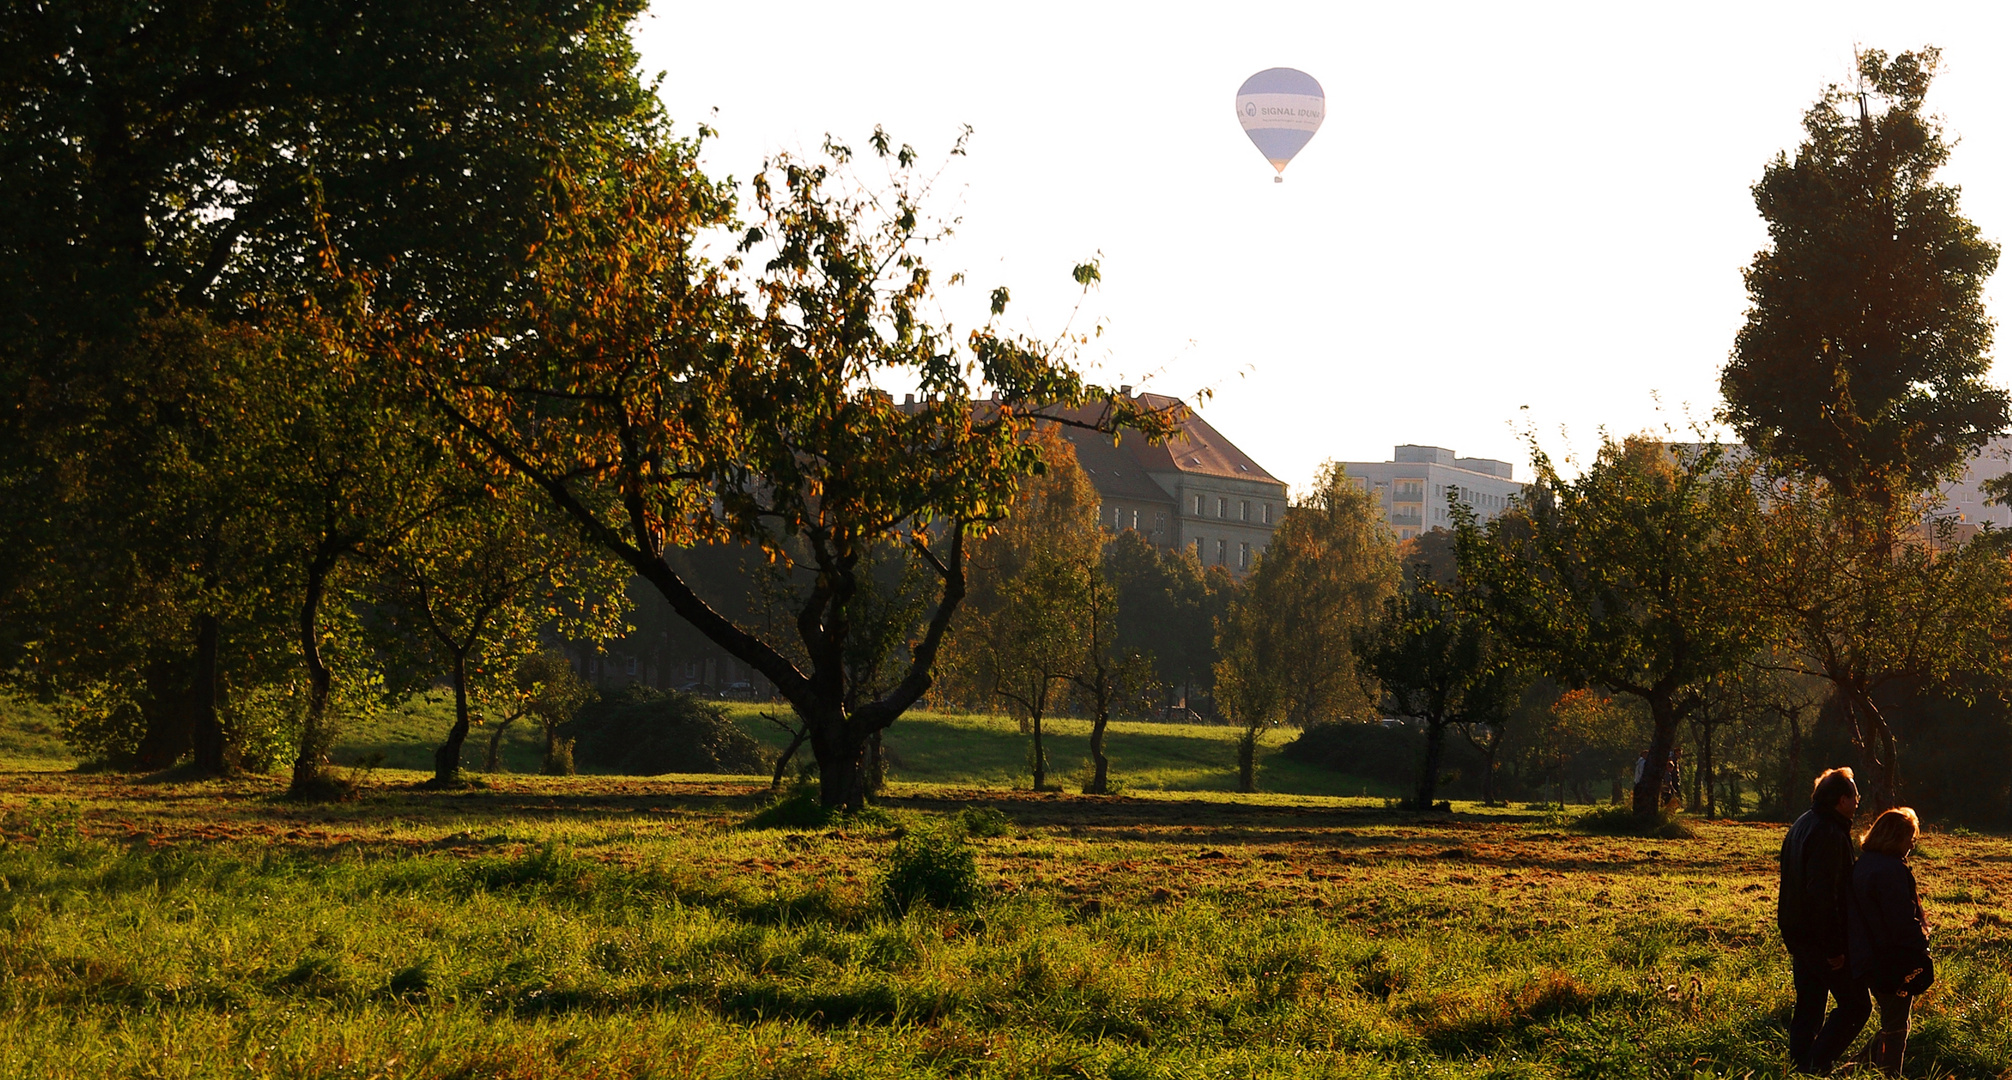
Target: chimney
{"points": [[908, 399], [1125, 390]]}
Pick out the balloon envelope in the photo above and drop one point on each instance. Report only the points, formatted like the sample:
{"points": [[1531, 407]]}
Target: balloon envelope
{"points": [[1280, 109]]}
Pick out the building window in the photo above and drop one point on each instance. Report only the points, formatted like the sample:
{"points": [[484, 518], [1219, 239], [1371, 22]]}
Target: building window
{"points": [[1222, 508], [1135, 520], [1267, 513], [1222, 551], [1159, 522], [1198, 550], [1243, 556], [632, 660], [1198, 506], [1117, 517]]}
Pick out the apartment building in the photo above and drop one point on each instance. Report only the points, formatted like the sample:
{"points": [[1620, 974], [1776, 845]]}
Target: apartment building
{"points": [[1196, 491], [1412, 486]]}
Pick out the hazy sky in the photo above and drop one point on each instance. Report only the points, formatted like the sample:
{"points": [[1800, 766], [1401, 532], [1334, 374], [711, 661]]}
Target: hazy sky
{"points": [[1509, 205]]}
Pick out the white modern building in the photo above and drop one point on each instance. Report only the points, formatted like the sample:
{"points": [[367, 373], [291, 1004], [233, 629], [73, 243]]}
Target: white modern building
{"points": [[1966, 497], [1412, 486]]}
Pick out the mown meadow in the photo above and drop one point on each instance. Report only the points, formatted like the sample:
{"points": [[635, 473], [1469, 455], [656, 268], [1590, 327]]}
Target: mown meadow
{"points": [[606, 927]]}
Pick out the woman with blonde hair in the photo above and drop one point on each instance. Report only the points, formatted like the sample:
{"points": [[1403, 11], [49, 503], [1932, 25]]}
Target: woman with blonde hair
{"points": [[1889, 932]]}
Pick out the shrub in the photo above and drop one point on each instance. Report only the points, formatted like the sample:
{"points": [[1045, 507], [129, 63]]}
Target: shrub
{"points": [[798, 807], [984, 821], [1621, 821], [558, 758], [641, 731], [930, 866]]}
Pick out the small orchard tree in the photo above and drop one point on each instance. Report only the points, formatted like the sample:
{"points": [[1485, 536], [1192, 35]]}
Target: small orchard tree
{"points": [[1434, 661], [1870, 595], [1023, 635], [1107, 676], [544, 687], [1623, 578], [473, 590], [658, 404]]}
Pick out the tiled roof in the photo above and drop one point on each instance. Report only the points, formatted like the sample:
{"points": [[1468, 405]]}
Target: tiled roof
{"points": [[1195, 448]]}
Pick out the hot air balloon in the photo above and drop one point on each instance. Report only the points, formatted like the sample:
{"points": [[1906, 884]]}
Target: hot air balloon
{"points": [[1280, 109]]}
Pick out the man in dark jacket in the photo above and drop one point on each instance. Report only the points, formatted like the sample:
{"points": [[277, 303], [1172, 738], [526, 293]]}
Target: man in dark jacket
{"points": [[1816, 863]]}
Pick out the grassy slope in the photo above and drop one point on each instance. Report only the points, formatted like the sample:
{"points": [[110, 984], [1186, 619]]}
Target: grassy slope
{"points": [[619, 928], [989, 751], [31, 735], [924, 748]]}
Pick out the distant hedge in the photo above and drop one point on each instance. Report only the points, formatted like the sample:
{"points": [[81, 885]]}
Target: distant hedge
{"points": [[1390, 754], [641, 731]]}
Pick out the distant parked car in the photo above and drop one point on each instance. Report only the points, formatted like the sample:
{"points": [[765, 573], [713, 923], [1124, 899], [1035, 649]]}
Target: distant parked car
{"points": [[739, 691]]}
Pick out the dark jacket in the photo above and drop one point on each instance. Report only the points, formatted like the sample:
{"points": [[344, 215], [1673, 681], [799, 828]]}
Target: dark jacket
{"points": [[1886, 921], [1815, 885]]}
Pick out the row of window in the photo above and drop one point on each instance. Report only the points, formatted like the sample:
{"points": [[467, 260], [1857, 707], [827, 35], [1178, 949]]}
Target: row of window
{"points": [[1243, 509], [1243, 553], [1123, 518], [1129, 517]]}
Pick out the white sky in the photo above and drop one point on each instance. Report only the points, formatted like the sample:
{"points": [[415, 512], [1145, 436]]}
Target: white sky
{"points": [[1509, 205]]}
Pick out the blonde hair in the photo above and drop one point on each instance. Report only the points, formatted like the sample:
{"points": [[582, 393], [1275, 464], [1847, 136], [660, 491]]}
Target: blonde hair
{"points": [[1893, 833]]}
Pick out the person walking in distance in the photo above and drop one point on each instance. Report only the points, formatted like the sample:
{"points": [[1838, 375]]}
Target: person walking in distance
{"points": [[1889, 932], [1816, 866]]}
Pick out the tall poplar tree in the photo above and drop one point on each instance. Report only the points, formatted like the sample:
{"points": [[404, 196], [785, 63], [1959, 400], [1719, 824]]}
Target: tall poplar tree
{"points": [[1866, 344]]}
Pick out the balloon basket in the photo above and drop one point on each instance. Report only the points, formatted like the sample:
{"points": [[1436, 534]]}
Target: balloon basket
{"points": [[1278, 179]]}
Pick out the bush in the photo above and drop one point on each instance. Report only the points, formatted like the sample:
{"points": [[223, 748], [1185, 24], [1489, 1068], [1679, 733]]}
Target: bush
{"points": [[641, 731], [1621, 821], [1367, 749], [984, 821], [798, 807], [930, 866]]}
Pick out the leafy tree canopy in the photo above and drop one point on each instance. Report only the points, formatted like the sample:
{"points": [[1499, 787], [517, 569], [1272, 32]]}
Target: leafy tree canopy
{"points": [[1866, 343]]}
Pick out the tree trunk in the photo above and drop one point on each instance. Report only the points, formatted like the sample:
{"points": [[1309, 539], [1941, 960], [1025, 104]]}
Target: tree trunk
{"points": [[492, 759], [875, 765], [1879, 780], [1247, 747], [165, 706], [1100, 766], [1707, 775], [782, 761], [1793, 779], [205, 727], [1649, 794], [1428, 776], [307, 765], [1488, 778], [1040, 762], [447, 759], [838, 750]]}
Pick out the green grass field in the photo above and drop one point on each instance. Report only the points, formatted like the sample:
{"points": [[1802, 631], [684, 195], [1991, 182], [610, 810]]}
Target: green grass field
{"points": [[925, 748], [973, 750], [609, 927]]}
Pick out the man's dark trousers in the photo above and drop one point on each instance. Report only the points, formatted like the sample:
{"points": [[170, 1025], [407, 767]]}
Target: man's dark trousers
{"points": [[1812, 1050]]}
